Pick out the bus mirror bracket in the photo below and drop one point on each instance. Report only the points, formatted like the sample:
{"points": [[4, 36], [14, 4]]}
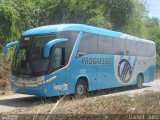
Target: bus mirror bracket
{"points": [[80, 54], [9, 45], [50, 44]]}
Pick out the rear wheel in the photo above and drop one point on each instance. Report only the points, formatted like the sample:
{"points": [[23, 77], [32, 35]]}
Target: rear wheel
{"points": [[81, 88], [140, 81]]}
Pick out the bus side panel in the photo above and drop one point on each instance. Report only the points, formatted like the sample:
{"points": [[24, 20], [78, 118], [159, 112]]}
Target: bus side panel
{"points": [[106, 72], [149, 73], [144, 65], [84, 67], [125, 70], [147, 66], [60, 85]]}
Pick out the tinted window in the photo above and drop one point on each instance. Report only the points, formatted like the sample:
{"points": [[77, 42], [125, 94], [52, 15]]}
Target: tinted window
{"points": [[57, 59], [72, 37], [142, 49], [131, 47], [29, 58], [105, 45], [151, 49], [119, 46], [88, 44]]}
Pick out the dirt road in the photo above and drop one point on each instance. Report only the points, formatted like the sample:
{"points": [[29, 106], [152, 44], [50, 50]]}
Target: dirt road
{"points": [[18, 101]]}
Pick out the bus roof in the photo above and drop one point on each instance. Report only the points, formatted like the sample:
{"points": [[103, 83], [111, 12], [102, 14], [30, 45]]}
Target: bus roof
{"points": [[78, 27], [72, 27]]}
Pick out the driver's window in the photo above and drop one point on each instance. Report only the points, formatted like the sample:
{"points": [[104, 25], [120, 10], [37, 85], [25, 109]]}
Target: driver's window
{"points": [[57, 60]]}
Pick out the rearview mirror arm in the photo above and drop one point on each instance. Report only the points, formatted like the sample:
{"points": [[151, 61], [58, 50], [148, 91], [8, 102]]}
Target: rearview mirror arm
{"points": [[50, 44]]}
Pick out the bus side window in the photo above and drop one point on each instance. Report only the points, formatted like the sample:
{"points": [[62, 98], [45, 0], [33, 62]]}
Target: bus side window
{"points": [[131, 47], [88, 44], [59, 57], [119, 46], [151, 51], [142, 49], [105, 45]]}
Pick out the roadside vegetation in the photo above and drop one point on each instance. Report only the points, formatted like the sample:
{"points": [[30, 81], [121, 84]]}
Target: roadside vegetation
{"points": [[5, 63], [128, 16], [142, 103]]}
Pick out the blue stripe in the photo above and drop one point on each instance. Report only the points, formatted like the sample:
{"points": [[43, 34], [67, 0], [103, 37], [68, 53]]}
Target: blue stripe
{"points": [[129, 59], [135, 63]]}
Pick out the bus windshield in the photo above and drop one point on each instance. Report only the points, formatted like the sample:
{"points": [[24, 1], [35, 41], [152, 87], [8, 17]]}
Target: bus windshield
{"points": [[29, 56]]}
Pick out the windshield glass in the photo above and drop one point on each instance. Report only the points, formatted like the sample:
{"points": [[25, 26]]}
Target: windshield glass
{"points": [[29, 58]]}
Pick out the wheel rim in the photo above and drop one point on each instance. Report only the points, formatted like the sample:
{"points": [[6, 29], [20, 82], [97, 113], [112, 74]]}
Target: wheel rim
{"points": [[80, 89]]}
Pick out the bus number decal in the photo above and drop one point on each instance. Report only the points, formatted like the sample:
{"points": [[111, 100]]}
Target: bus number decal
{"points": [[83, 71]]}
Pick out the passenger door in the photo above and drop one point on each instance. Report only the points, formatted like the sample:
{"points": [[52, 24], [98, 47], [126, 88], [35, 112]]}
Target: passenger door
{"points": [[58, 62]]}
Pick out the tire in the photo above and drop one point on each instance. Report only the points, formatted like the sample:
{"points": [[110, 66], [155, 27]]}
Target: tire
{"points": [[81, 89], [140, 81]]}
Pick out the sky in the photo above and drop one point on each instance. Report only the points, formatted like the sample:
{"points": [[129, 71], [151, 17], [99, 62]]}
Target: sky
{"points": [[154, 8]]}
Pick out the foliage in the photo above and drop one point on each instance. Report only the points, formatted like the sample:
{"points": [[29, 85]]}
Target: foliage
{"points": [[7, 23], [128, 16], [27, 14], [136, 21], [154, 34], [119, 11]]}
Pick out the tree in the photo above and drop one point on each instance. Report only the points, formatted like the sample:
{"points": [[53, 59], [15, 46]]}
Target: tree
{"points": [[7, 23], [27, 14], [136, 24], [118, 11], [154, 32]]}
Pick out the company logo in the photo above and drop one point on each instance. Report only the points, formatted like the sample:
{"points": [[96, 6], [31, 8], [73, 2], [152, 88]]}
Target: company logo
{"points": [[86, 60], [124, 71]]}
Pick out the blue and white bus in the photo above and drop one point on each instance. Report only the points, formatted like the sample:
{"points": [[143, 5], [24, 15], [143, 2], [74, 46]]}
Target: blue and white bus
{"points": [[75, 58]]}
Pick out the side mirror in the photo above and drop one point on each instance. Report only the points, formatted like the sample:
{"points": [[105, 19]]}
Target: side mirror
{"points": [[9, 45], [50, 44]]}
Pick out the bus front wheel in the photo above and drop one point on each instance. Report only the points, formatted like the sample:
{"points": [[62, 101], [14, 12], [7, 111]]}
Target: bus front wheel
{"points": [[140, 81], [81, 88]]}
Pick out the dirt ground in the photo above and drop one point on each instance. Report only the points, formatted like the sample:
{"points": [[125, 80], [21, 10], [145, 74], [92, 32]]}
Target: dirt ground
{"points": [[113, 102], [146, 103]]}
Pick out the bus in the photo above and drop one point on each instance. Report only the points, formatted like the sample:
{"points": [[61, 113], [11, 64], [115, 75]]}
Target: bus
{"points": [[64, 59]]}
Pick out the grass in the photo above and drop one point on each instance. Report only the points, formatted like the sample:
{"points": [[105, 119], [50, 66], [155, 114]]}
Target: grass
{"points": [[146, 103], [5, 63]]}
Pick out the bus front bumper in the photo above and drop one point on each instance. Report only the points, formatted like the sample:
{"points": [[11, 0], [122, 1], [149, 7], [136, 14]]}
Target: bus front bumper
{"points": [[46, 88]]}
